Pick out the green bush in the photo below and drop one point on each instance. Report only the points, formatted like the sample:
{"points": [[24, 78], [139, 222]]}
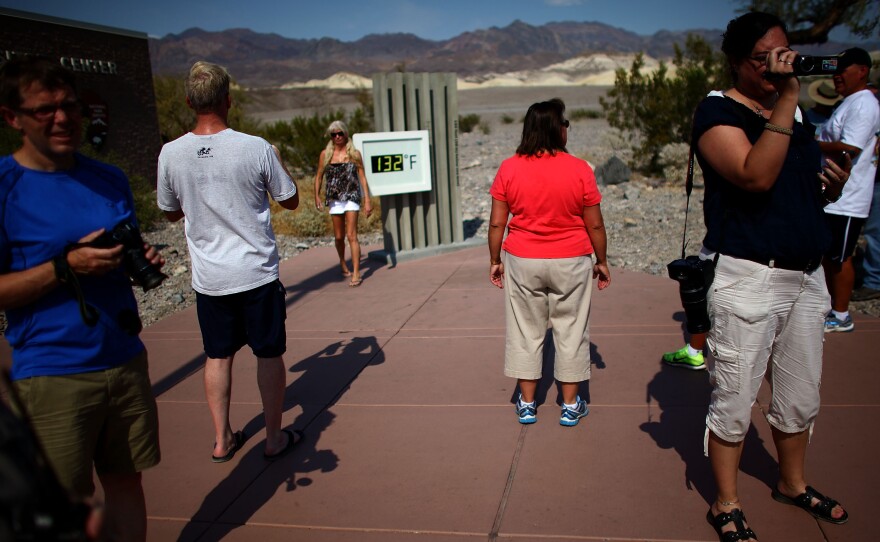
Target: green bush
{"points": [[467, 123], [656, 110], [580, 114], [506, 119]]}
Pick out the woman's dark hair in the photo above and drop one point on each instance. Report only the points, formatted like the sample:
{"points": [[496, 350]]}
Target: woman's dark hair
{"points": [[542, 129], [19, 73], [744, 32]]}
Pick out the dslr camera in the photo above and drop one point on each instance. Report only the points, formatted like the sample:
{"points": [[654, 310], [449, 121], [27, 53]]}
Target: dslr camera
{"points": [[134, 260], [815, 65], [694, 277]]}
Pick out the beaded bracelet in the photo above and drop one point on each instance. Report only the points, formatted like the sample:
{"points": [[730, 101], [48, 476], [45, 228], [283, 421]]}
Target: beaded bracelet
{"points": [[778, 129]]}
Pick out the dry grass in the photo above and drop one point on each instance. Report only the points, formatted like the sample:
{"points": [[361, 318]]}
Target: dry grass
{"points": [[308, 221]]}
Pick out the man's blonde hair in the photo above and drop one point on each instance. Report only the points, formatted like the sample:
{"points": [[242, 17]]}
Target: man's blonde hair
{"points": [[206, 86]]}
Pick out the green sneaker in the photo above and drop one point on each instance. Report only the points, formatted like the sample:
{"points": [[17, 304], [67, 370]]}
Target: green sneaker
{"points": [[681, 358]]}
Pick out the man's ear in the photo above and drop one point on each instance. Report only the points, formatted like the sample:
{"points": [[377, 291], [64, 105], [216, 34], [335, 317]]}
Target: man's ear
{"points": [[10, 117], [188, 104]]}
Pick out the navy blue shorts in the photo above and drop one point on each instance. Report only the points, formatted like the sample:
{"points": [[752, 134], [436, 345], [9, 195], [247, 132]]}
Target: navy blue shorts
{"points": [[844, 236], [254, 318]]}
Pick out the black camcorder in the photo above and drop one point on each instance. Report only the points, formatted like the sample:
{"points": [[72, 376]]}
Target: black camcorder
{"points": [[815, 65], [134, 259], [694, 277]]}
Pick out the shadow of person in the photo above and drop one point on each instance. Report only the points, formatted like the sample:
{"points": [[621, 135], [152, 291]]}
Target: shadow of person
{"points": [[324, 378], [682, 398], [295, 292]]}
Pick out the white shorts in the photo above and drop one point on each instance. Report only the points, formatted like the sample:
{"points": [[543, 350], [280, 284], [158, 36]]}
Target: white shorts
{"points": [[765, 319], [341, 207]]}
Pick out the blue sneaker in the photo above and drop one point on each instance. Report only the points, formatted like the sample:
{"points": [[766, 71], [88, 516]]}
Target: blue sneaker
{"points": [[526, 412], [570, 416], [833, 324]]}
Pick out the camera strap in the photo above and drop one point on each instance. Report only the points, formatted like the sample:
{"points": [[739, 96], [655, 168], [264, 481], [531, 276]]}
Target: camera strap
{"points": [[688, 187], [69, 279]]}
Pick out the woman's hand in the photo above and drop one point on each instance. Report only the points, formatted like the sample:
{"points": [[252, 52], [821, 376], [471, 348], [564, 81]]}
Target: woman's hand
{"points": [[496, 274], [601, 271], [834, 177], [780, 70], [368, 207], [318, 204]]}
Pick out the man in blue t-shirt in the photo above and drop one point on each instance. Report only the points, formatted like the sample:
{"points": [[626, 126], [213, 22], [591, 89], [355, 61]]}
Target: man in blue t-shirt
{"points": [[65, 354]]}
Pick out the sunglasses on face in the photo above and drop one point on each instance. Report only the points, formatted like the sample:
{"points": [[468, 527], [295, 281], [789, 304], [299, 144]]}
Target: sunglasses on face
{"points": [[566, 123], [336, 134], [48, 111]]}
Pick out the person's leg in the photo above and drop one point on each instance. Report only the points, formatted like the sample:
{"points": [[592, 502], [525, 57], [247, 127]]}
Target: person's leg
{"points": [[570, 392], [125, 514], [526, 317], [841, 278], [339, 239], [698, 341], [792, 451], [527, 389], [218, 392], [724, 458], [271, 381], [351, 223]]}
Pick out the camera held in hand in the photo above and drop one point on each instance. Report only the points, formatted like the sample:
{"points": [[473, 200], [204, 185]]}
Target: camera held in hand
{"points": [[694, 277], [815, 65], [134, 260]]}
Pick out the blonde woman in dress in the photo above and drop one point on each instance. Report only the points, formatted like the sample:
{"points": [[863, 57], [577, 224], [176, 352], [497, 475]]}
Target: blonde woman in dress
{"points": [[342, 167]]}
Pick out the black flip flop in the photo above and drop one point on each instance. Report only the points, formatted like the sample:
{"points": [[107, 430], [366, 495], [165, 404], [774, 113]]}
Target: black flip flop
{"points": [[293, 438], [822, 510], [238, 440]]}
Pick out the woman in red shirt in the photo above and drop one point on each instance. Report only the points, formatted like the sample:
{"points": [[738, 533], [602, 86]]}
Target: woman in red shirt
{"points": [[554, 248]]}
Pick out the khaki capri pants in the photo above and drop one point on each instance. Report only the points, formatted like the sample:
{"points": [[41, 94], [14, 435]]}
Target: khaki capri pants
{"points": [[765, 319], [547, 291]]}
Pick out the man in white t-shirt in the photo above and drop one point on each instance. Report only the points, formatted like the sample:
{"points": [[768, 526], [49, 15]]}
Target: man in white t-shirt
{"points": [[851, 130], [220, 180]]}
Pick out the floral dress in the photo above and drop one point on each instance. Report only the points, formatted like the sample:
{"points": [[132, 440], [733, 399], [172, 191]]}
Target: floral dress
{"points": [[342, 182]]}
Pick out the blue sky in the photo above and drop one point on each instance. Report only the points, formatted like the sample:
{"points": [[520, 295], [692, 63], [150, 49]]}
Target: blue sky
{"points": [[349, 20]]}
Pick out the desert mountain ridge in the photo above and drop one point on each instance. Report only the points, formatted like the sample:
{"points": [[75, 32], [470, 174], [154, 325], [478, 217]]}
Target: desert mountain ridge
{"points": [[558, 53]]}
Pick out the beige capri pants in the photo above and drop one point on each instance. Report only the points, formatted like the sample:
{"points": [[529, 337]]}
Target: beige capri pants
{"points": [[538, 292], [765, 319]]}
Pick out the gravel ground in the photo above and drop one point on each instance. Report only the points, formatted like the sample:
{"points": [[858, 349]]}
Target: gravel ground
{"points": [[644, 217]]}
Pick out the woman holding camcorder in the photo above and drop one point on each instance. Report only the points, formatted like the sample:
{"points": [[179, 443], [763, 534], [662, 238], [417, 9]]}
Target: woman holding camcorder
{"points": [[766, 187]]}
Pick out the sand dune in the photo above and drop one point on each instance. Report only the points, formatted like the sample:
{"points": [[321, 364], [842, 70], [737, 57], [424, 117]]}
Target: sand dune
{"points": [[591, 70]]}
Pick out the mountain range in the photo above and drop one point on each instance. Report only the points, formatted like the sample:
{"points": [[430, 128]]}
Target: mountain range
{"points": [[268, 60]]}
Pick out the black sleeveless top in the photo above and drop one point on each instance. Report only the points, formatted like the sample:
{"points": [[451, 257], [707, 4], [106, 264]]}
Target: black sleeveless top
{"points": [[785, 222]]}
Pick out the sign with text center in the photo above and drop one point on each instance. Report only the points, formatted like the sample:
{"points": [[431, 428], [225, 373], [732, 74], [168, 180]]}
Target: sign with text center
{"points": [[395, 162]]}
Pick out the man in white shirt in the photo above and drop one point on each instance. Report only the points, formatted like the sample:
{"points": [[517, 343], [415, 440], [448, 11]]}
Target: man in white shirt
{"points": [[851, 130], [220, 180]]}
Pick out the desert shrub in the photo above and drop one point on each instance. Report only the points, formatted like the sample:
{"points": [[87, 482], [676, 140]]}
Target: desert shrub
{"points": [[467, 123], [656, 110], [484, 127], [302, 139], [674, 161], [506, 119], [581, 113]]}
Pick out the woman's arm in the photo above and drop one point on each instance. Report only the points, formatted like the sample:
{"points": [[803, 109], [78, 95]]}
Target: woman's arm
{"points": [[318, 179], [368, 207], [497, 223], [595, 225], [756, 167]]}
